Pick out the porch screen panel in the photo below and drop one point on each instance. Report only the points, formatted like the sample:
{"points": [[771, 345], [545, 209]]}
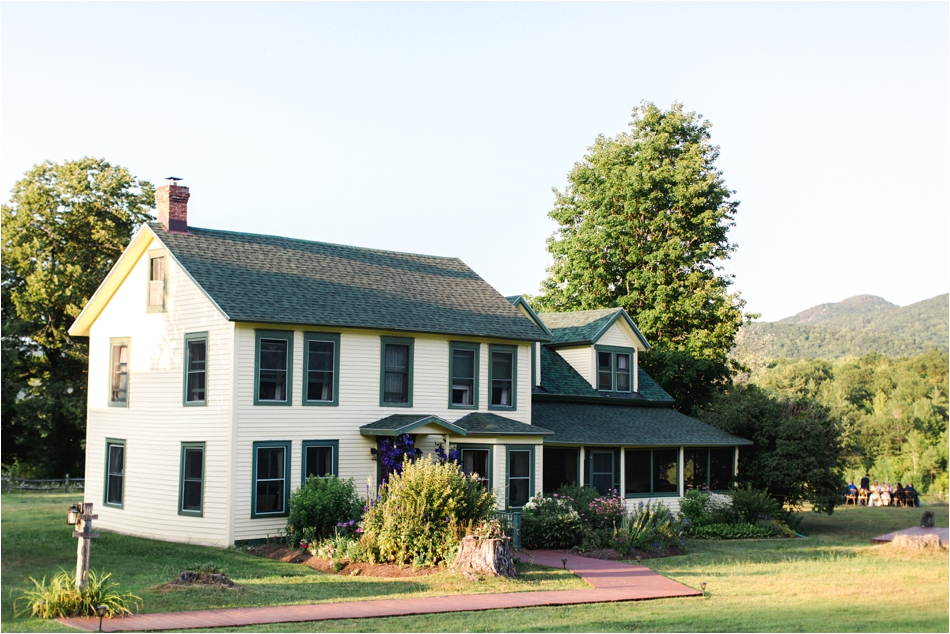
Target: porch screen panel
{"points": [[665, 471], [696, 468], [637, 465], [560, 468], [602, 471], [720, 468]]}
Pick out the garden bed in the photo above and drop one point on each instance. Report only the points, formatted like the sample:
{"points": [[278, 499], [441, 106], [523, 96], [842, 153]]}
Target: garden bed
{"points": [[297, 556]]}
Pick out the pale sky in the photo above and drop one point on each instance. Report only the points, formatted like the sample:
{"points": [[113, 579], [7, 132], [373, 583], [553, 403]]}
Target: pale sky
{"points": [[441, 128]]}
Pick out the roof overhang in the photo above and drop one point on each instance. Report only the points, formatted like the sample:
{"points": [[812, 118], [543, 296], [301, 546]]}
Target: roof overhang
{"points": [[399, 424]]}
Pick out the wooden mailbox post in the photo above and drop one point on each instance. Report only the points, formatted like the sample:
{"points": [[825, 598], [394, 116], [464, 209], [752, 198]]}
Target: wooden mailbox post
{"points": [[85, 534]]}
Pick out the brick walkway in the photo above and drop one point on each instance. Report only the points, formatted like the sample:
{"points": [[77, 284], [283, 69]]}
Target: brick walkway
{"points": [[611, 581]]}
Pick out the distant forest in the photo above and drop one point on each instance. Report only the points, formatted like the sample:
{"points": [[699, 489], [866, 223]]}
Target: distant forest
{"points": [[881, 369], [851, 328]]}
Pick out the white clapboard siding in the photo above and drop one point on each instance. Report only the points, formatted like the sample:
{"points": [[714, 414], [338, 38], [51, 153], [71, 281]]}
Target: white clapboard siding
{"points": [[581, 359], [358, 406], [672, 503], [155, 423], [619, 334]]}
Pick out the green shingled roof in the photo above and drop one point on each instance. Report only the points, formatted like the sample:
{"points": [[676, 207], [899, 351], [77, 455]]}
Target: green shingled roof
{"points": [[559, 377], [577, 327], [474, 424], [271, 279], [629, 425], [650, 389], [485, 424]]}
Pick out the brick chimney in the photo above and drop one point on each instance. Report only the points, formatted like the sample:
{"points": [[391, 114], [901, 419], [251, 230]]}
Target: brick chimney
{"points": [[172, 203]]}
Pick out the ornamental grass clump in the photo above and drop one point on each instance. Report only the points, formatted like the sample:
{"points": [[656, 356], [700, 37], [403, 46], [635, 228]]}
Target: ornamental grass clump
{"points": [[649, 527], [422, 513], [319, 507], [61, 597], [550, 522]]}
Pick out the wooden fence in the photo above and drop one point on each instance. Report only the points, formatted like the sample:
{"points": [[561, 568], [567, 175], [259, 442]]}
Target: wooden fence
{"points": [[63, 485]]}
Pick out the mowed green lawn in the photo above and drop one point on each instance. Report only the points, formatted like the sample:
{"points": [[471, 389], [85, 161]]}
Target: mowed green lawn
{"points": [[832, 580]]}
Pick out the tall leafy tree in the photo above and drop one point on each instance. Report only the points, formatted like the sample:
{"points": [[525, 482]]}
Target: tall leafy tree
{"points": [[63, 228], [643, 224]]}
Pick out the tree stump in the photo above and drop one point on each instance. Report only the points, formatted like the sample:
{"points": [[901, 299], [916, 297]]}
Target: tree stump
{"points": [[485, 556], [918, 542]]}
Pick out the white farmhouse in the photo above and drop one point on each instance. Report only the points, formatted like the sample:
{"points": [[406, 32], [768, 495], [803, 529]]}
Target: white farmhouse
{"points": [[225, 367]]}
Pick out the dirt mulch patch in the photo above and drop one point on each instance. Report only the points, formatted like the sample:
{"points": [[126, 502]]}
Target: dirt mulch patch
{"points": [[205, 579], [613, 555], [297, 556]]}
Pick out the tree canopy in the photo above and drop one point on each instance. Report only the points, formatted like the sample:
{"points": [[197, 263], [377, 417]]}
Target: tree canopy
{"points": [[63, 228], [643, 224]]}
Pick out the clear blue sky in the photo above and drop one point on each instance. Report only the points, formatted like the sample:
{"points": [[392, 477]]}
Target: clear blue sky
{"points": [[441, 128]]}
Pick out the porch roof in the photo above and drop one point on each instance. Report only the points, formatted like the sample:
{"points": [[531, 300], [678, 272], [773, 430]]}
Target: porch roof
{"points": [[474, 424], [629, 425]]}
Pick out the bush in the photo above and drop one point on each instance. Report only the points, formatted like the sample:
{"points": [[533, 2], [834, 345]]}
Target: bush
{"points": [[61, 597], [693, 507], [318, 506], [580, 497], [550, 522], [599, 515], [649, 527], [752, 505], [422, 511], [730, 531]]}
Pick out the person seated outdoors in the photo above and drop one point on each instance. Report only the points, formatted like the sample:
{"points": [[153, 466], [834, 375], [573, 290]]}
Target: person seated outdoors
{"points": [[874, 499], [910, 495], [851, 493], [897, 495], [886, 494]]}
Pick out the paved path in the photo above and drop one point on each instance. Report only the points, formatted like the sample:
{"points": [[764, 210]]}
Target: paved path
{"points": [[942, 533], [611, 581]]}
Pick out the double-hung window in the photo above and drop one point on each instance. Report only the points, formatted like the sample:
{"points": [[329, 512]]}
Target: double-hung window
{"points": [[271, 487], [711, 468], [520, 475], [115, 472], [119, 356], [320, 458], [463, 375], [651, 472], [395, 389], [196, 368], [614, 369], [273, 361], [191, 492], [477, 461], [503, 376], [322, 360], [156, 284]]}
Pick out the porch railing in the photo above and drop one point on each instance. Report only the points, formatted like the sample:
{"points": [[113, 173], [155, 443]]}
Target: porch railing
{"points": [[511, 525]]}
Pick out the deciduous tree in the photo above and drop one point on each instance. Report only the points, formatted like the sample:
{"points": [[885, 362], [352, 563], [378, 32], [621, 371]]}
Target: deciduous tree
{"points": [[63, 229]]}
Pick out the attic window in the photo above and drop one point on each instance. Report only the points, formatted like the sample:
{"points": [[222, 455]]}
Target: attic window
{"points": [[614, 369], [156, 284]]}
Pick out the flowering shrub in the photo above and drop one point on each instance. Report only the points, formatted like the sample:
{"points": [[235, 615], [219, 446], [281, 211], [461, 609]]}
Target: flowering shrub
{"points": [[318, 507], [743, 513], [605, 512], [550, 522], [395, 452], [421, 512]]}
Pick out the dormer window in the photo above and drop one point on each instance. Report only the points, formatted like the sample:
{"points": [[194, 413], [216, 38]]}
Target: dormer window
{"points": [[156, 284], [614, 368]]}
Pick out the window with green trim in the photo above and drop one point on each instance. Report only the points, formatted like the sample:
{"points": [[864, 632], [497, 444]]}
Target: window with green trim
{"points": [[711, 468], [191, 488], [503, 376], [396, 372], [651, 471], [320, 458], [273, 362], [463, 375], [520, 475], [115, 472], [196, 368], [477, 460], [271, 487], [322, 350], [120, 354], [614, 369]]}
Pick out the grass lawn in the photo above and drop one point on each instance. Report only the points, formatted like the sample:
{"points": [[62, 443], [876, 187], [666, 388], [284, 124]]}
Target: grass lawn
{"points": [[833, 580], [37, 542]]}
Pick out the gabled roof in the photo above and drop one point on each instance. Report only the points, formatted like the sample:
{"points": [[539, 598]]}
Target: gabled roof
{"points": [[585, 327], [558, 377], [474, 424], [518, 301], [277, 280], [621, 424]]}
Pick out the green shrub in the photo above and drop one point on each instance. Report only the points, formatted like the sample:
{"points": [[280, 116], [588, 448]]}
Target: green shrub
{"points": [[752, 505], [776, 528], [649, 527], [693, 507], [549, 522], [318, 506], [61, 597], [730, 531], [421, 513], [579, 497]]}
